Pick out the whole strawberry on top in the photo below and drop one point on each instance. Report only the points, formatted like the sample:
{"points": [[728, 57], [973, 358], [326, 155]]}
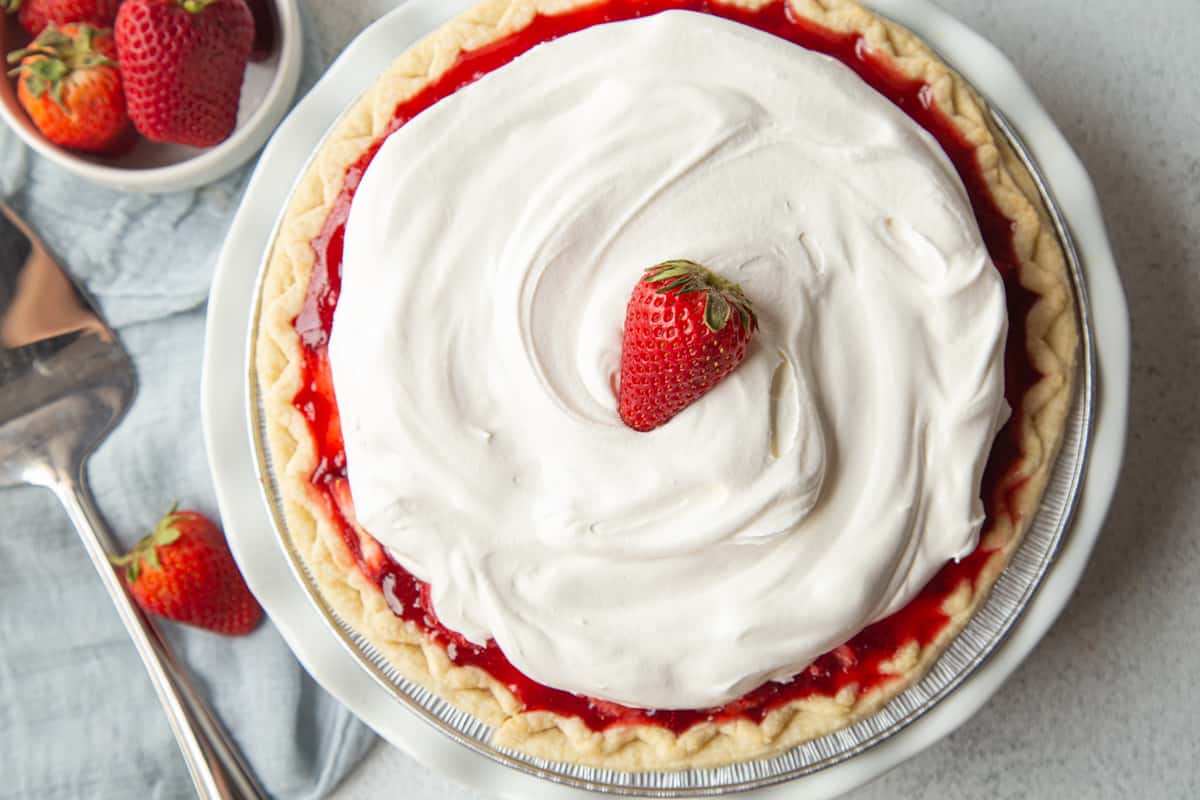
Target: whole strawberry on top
{"points": [[69, 84], [183, 571], [183, 62], [35, 15], [686, 328]]}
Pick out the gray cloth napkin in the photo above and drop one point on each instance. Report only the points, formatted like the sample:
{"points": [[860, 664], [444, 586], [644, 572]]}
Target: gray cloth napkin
{"points": [[77, 714]]}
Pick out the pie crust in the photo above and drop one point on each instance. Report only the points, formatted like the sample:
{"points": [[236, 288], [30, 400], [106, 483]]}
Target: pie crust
{"points": [[1052, 342]]}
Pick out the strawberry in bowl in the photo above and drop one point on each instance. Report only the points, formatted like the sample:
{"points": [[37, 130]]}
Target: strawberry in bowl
{"points": [[36, 15], [200, 100], [184, 63], [69, 83]]}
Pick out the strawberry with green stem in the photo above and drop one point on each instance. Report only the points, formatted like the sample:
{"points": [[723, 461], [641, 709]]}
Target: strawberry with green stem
{"points": [[69, 83], [183, 570], [686, 329]]}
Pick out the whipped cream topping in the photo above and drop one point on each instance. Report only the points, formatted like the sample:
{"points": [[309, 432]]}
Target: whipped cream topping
{"points": [[490, 252]]}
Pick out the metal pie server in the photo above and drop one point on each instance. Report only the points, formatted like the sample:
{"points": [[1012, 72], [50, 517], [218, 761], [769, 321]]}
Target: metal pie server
{"points": [[65, 381]]}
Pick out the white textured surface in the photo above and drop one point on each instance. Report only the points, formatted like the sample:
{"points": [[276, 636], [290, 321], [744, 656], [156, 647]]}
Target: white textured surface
{"points": [[1104, 707]]}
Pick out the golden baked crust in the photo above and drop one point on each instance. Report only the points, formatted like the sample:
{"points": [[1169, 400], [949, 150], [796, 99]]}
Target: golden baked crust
{"points": [[1052, 339]]}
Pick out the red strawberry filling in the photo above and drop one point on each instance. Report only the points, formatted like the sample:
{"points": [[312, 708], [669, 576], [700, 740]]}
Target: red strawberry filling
{"points": [[861, 660]]}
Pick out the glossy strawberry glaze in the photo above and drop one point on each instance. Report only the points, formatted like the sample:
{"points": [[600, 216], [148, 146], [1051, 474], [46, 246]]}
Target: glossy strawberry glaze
{"points": [[860, 660]]}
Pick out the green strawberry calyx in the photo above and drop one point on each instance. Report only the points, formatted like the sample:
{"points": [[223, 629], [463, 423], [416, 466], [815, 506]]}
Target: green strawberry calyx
{"points": [[10, 6], [194, 6], [722, 297], [146, 551], [59, 54]]}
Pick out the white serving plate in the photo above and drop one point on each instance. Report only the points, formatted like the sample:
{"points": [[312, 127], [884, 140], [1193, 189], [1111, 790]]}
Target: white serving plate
{"points": [[323, 653], [151, 167]]}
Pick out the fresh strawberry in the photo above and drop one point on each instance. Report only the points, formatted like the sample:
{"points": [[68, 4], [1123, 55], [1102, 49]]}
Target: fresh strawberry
{"points": [[183, 571], [69, 84], [686, 328], [35, 15], [183, 62]]}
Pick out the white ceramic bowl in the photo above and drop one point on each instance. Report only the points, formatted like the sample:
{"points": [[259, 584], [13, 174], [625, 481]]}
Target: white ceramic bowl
{"points": [[149, 167]]}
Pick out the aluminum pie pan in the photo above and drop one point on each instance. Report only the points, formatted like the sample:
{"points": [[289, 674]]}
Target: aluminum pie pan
{"points": [[983, 633]]}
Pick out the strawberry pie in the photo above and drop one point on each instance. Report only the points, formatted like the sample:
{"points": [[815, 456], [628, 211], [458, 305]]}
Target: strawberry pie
{"points": [[476, 489]]}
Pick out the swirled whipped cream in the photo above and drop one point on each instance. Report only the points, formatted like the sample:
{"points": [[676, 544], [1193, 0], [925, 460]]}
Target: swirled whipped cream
{"points": [[489, 255]]}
